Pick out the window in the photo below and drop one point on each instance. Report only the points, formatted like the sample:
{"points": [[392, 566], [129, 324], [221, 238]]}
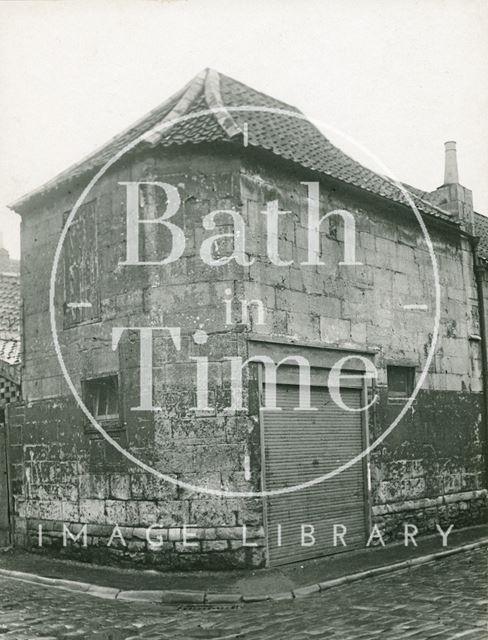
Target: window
{"points": [[400, 381], [101, 396]]}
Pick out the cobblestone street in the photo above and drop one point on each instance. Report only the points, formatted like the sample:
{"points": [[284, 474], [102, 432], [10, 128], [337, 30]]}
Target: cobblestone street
{"points": [[445, 599]]}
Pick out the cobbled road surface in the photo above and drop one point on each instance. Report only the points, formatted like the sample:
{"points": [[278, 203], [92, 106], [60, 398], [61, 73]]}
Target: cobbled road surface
{"points": [[446, 599]]}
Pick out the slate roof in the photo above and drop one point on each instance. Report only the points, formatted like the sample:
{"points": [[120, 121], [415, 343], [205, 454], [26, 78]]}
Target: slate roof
{"points": [[10, 318], [291, 138]]}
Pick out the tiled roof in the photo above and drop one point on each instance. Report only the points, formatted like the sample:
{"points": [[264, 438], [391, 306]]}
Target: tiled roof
{"points": [[10, 317], [481, 230], [414, 191], [10, 351], [292, 138]]}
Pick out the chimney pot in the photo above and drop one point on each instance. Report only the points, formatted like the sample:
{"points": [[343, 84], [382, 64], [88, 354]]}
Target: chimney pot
{"points": [[451, 169]]}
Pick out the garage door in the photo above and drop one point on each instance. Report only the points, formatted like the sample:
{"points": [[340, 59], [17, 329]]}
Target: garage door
{"points": [[300, 446]]}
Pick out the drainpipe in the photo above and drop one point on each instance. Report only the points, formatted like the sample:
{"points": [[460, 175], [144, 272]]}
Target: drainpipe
{"points": [[478, 272]]}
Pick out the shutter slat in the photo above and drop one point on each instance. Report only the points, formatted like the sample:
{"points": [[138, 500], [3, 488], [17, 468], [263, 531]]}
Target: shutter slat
{"points": [[301, 446]]}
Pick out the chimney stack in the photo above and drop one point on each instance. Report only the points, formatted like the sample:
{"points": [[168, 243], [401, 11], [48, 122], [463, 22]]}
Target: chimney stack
{"points": [[451, 169], [452, 196]]}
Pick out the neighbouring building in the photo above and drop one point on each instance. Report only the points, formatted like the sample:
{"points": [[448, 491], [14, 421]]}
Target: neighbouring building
{"points": [[481, 277], [376, 306], [9, 371]]}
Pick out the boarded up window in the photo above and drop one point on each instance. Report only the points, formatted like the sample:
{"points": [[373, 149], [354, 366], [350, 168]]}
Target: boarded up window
{"points": [[81, 295], [400, 381]]}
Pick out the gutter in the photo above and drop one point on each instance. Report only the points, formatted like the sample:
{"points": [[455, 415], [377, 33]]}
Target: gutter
{"points": [[209, 599]]}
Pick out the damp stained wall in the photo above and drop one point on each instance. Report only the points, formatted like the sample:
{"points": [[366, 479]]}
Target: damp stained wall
{"points": [[64, 471]]}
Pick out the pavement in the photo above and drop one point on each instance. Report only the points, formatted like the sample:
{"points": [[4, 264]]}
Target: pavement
{"points": [[204, 587], [444, 599]]}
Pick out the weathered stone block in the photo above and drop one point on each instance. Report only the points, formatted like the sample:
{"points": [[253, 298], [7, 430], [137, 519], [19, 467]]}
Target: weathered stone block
{"points": [[180, 547], [119, 486], [148, 512], [334, 330], [70, 511], [92, 511], [214, 545], [116, 512]]}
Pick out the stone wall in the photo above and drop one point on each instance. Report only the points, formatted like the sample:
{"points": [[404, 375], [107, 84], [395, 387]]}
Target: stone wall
{"points": [[430, 470], [434, 457], [71, 473], [63, 470], [62, 480]]}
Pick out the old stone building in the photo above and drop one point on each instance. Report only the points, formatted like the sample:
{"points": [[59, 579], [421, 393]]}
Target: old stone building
{"points": [[220, 146], [9, 370]]}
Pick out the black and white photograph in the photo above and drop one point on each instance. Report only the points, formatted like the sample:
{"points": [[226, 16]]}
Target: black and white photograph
{"points": [[243, 319]]}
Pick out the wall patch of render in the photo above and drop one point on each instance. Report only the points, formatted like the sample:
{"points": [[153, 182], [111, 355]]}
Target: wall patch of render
{"points": [[430, 470]]}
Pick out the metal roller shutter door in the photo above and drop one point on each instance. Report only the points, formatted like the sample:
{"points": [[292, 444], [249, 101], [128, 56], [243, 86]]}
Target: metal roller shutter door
{"points": [[300, 446]]}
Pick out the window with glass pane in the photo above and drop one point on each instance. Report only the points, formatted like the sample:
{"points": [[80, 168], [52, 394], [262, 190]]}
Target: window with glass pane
{"points": [[101, 397]]}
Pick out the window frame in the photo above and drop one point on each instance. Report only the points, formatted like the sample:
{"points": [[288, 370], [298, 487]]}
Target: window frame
{"points": [[409, 370], [109, 421]]}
